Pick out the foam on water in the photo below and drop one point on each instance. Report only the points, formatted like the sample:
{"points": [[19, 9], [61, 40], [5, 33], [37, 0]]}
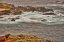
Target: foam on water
{"points": [[33, 17]]}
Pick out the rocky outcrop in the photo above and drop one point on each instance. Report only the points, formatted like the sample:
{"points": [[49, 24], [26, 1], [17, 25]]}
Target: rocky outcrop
{"points": [[11, 9], [22, 38]]}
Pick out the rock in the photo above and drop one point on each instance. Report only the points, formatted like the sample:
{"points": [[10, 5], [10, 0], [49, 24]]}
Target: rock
{"points": [[48, 41], [12, 19], [30, 8], [5, 12], [42, 9], [62, 2], [57, 1], [44, 20], [22, 38], [15, 11], [17, 18], [21, 8], [1, 17], [7, 9], [49, 10], [6, 6], [49, 14]]}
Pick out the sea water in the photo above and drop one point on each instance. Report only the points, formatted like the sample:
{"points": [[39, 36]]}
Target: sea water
{"points": [[35, 17]]}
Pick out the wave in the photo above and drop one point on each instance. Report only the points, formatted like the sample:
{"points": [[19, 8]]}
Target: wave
{"points": [[36, 17]]}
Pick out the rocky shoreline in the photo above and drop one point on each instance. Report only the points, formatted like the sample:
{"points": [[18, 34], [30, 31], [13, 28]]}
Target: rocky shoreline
{"points": [[7, 9]]}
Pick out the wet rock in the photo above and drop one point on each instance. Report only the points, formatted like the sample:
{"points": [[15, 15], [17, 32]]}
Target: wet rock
{"points": [[57, 1], [48, 41], [44, 20], [30, 8], [5, 12], [21, 8], [42, 9], [12, 19], [49, 14], [1, 17], [17, 17], [49, 10], [63, 2], [15, 11]]}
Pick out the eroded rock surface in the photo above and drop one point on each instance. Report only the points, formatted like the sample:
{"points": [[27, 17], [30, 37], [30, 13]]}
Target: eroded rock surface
{"points": [[22, 38]]}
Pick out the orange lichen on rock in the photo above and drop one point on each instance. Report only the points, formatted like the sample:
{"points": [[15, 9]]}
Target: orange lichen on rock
{"points": [[2, 39], [22, 38], [8, 40]]}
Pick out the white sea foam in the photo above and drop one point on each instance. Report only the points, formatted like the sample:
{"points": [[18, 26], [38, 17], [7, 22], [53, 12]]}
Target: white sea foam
{"points": [[32, 17]]}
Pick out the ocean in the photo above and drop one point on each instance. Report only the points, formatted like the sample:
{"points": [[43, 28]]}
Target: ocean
{"points": [[52, 29]]}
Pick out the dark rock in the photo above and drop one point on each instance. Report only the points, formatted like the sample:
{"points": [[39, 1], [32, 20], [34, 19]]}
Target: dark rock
{"points": [[29, 8], [17, 18], [48, 41], [1, 17], [49, 9], [63, 2], [5, 12], [44, 20], [12, 19], [49, 14], [21, 8], [57, 1], [42, 9]]}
